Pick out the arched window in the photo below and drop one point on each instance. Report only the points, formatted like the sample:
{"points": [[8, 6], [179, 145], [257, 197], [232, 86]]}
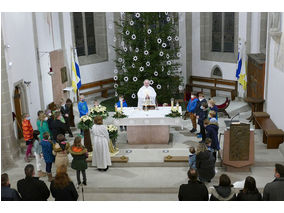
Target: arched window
{"points": [[216, 72]]}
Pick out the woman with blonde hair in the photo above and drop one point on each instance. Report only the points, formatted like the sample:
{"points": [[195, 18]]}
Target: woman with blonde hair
{"points": [[205, 163], [42, 124], [62, 188], [100, 138]]}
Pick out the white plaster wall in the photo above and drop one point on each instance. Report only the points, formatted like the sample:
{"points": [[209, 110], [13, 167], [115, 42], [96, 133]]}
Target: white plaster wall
{"points": [[182, 43], [275, 87], [18, 33], [255, 32]]}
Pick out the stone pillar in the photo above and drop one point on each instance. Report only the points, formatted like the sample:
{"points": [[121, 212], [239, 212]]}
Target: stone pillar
{"points": [[10, 149]]}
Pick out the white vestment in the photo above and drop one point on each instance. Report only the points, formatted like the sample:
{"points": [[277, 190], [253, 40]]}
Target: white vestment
{"points": [[143, 92], [100, 138]]}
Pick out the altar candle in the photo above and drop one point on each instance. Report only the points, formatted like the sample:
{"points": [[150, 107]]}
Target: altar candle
{"points": [[177, 106], [121, 105], [115, 107], [172, 103]]}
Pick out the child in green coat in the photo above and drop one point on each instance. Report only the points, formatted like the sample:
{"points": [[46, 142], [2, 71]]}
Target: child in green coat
{"points": [[79, 163]]}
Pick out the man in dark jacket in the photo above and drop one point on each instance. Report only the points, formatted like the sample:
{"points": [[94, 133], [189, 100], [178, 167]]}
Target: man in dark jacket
{"points": [[194, 190], [65, 111], [8, 194], [274, 191], [201, 100], [31, 188], [58, 127]]}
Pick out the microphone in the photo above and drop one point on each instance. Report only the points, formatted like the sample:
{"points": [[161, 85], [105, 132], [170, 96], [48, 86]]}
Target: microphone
{"points": [[234, 117]]}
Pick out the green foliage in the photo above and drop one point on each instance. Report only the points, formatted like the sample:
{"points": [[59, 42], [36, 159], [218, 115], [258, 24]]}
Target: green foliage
{"points": [[119, 114], [153, 40], [86, 122]]}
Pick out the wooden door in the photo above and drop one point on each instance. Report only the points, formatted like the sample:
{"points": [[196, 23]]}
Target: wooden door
{"points": [[256, 75], [18, 111]]}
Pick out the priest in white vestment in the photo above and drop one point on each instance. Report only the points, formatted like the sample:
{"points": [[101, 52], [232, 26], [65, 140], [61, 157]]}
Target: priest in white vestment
{"points": [[146, 92], [100, 138]]}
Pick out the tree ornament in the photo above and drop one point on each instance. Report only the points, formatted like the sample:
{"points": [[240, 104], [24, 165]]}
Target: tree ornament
{"points": [[167, 56], [115, 71], [133, 96], [151, 82], [164, 45], [168, 19], [125, 78], [169, 38], [169, 63], [147, 63], [115, 78], [156, 73], [135, 58], [133, 65], [131, 23], [176, 38], [120, 60], [149, 31], [159, 86], [137, 49], [141, 69], [115, 86], [127, 32], [135, 79], [146, 52], [137, 15], [159, 41], [161, 53], [133, 36], [179, 54]]}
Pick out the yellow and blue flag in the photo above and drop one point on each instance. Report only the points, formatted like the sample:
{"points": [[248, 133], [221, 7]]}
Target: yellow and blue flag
{"points": [[76, 77]]}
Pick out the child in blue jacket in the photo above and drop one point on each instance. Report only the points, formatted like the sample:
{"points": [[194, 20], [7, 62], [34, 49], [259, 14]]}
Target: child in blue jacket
{"points": [[213, 107], [121, 99], [83, 108], [191, 109], [192, 158]]}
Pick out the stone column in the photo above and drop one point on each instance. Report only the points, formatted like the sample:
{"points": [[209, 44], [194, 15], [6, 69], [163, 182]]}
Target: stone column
{"points": [[10, 149]]}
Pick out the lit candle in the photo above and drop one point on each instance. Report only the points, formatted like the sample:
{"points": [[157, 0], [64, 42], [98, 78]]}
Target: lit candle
{"points": [[172, 103], [177, 105], [121, 105], [115, 107]]}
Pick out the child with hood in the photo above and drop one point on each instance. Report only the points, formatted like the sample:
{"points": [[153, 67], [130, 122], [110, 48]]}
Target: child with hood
{"points": [[60, 151]]}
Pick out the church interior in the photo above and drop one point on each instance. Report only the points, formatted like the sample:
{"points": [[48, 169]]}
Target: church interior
{"points": [[233, 60]]}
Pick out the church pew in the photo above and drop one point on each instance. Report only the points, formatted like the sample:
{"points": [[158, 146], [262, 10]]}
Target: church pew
{"points": [[272, 136]]}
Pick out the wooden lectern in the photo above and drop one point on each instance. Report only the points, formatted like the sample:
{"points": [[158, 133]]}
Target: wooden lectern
{"points": [[238, 150]]}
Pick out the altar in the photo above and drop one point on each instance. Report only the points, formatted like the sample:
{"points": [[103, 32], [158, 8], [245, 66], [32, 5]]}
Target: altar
{"points": [[148, 127]]}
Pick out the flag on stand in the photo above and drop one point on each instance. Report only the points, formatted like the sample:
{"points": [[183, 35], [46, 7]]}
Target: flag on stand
{"points": [[76, 77], [241, 72]]}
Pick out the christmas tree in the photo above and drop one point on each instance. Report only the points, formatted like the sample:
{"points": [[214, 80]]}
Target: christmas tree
{"points": [[148, 49]]}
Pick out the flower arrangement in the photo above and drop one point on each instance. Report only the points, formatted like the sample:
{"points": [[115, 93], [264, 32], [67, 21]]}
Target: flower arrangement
{"points": [[174, 113], [86, 122], [113, 132], [99, 110], [119, 114]]}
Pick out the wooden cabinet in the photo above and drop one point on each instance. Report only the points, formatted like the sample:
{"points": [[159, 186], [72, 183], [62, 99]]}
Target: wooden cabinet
{"points": [[256, 76]]}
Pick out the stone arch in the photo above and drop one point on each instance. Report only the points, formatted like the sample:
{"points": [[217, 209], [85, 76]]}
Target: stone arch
{"points": [[216, 72]]}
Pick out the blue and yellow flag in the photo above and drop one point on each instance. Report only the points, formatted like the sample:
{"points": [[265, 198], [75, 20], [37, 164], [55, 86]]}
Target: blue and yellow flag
{"points": [[76, 77]]}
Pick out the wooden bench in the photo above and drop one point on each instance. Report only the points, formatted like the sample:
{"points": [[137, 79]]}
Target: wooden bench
{"points": [[104, 86], [272, 136], [214, 84]]}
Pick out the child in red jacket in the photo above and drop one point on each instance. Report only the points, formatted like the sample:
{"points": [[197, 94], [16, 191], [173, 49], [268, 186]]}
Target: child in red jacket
{"points": [[28, 135]]}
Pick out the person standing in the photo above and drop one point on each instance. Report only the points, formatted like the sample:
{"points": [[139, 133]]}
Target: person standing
{"points": [[7, 193], [31, 188], [200, 101], [100, 138], [194, 190], [201, 116], [62, 188], [42, 124], [28, 135], [191, 107], [47, 145], [83, 108], [60, 151], [274, 191], [58, 127], [65, 112], [146, 92], [79, 163], [37, 152], [249, 192], [212, 129]]}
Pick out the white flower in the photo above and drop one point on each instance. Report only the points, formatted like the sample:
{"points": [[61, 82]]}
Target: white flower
{"points": [[127, 32], [125, 49], [167, 56], [133, 96], [141, 69], [115, 86], [137, 49], [164, 45], [115, 77], [133, 65], [179, 54], [169, 63], [133, 36], [176, 38], [159, 86], [149, 31], [156, 73], [135, 58], [135, 79], [137, 15], [159, 41], [131, 23], [146, 52], [161, 53], [147, 63], [125, 78], [120, 60], [168, 72], [168, 19], [151, 82], [169, 38], [115, 71]]}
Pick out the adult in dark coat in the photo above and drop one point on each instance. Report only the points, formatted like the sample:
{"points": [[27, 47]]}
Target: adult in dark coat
{"points": [[31, 188], [212, 129], [205, 163], [62, 188], [58, 127], [224, 191], [7, 193], [65, 112], [250, 192], [274, 191], [194, 190]]}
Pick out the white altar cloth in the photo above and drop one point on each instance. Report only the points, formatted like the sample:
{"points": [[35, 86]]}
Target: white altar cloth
{"points": [[138, 117]]}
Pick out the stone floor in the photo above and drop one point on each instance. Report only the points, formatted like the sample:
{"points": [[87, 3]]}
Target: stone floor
{"points": [[147, 177]]}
